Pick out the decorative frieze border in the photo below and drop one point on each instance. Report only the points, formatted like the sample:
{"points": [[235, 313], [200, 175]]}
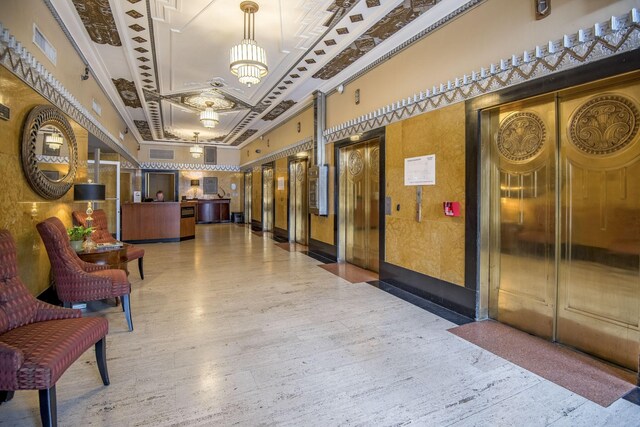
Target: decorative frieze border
{"points": [[296, 147], [619, 34], [201, 167], [17, 59]]}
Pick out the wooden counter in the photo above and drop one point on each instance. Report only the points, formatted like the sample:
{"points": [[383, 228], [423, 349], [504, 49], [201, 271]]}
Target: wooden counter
{"points": [[213, 210], [158, 222]]}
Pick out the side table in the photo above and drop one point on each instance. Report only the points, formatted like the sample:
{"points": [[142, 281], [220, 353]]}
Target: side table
{"points": [[115, 257]]}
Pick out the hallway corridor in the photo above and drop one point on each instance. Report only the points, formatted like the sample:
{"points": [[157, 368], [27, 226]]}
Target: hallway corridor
{"points": [[231, 329]]}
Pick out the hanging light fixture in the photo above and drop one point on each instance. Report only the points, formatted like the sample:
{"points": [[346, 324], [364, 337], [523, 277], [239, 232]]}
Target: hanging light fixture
{"points": [[209, 117], [196, 150], [54, 140], [248, 60]]}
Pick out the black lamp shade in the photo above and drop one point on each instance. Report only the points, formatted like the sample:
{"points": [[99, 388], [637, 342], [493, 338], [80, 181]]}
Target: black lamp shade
{"points": [[88, 192], [195, 182]]}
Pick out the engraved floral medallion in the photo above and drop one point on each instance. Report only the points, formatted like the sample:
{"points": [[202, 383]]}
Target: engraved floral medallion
{"points": [[355, 163], [521, 136], [604, 124]]}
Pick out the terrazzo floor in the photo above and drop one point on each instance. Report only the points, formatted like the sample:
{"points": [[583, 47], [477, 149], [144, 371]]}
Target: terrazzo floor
{"points": [[232, 330]]}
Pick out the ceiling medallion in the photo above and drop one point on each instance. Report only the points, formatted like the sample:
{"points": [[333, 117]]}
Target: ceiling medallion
{"points": [[202, 100], [604, 124], [196, 150], [248, 61], [521, 136]]}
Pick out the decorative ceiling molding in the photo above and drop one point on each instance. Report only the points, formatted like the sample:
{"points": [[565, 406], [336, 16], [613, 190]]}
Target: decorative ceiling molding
{"points": [[17, 59], [143, 129], [619, 34], [393, 22], [296, 147], [98, 19], [278, 110], [128, 92], [242, 138]]}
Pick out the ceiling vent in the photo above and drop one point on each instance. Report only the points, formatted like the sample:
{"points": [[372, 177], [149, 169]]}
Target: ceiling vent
{"points": [[159, 154]]}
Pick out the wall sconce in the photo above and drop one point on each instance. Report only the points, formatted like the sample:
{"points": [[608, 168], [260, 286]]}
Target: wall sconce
{"points": [[195, 183], [85, 76], [298, 127]]}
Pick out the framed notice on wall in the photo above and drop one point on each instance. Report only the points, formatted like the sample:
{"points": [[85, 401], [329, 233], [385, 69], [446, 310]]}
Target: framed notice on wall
{"points": [[420, 170], [210, 185]]}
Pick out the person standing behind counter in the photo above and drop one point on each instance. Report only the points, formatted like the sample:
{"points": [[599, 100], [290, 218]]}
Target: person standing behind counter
{"points": [[159, 196]]}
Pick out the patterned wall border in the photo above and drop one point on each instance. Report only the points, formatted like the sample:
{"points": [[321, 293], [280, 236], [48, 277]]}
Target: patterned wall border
{"points": [[296, 147], [617, 35], [182, 166], [17, 59]]}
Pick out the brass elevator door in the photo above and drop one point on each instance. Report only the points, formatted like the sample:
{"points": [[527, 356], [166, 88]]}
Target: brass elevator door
{"points": [[298, 209], [360, 192], [267, 199], [247, 197], [565, 218]]}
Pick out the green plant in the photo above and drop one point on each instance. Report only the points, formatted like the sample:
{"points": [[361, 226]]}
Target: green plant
{"points": [[77, 232]]}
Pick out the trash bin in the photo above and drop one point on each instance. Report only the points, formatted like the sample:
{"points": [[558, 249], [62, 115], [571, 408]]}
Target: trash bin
{"points": [[237, 217]]}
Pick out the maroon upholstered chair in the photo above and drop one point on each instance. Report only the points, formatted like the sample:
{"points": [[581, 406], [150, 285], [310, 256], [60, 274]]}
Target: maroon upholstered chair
{"points": [[38, 341], [101, 235], [79, 281]]}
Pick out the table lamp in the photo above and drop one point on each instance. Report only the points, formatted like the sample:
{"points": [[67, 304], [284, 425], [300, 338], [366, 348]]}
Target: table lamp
{"points": [[89, 192]]}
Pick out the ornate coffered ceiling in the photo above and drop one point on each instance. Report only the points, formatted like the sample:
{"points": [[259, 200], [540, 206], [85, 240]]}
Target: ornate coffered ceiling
{"points": [[161, 61]]}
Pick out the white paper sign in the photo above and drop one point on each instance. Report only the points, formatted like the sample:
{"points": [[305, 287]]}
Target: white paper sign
{"points": [[420, 170], [281, 183]]}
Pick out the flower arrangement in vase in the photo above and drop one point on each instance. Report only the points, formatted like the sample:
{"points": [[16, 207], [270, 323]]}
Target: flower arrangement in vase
{"points": [[77, 233]]}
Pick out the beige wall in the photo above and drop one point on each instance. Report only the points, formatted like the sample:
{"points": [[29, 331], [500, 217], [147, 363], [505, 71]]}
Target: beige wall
{"points": [[226, 156], [492, 31], [19, 16], [225, 179], [435, 246], [281, 196], [20, 207], [280, 137]]}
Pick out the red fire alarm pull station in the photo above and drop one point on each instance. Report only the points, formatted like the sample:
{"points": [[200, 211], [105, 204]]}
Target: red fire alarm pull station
{"points": [[451, 208]]}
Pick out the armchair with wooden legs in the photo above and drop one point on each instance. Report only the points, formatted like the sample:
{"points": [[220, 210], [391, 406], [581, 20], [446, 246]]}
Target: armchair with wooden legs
{"points": [[39, 341]]}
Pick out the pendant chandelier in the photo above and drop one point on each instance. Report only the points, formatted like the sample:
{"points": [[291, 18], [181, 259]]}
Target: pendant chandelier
{"points": [[196, 150], [53, 140], [248, 61], [209, 117]]}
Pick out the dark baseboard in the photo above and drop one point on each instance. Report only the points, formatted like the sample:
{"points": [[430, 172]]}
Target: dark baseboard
{"points": [[256, 225], [453, 297], [187, 238], [323, 249], [280, 234]]}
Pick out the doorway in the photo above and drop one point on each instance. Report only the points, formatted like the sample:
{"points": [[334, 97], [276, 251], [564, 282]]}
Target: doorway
{"points": [[564, 217], [359, 204], [267, 198], [298, 207]]}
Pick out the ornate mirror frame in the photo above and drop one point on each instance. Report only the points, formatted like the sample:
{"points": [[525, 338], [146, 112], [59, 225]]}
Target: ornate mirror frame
{"points": [[40, 116]]}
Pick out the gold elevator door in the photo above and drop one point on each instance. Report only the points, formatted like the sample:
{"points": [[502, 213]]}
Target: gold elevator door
{"points": [[298, 208], [267, 199], [360, 192], [565, 218]]}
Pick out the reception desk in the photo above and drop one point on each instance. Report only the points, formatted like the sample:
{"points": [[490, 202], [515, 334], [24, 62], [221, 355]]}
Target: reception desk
{"points": [[213, 210], [158, 222]]}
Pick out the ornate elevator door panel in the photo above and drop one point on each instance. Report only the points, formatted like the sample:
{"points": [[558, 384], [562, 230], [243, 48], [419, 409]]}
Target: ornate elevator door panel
{"points": [[523, 203], [267, 199], [298, 209], [360, 186], [599, 274]]}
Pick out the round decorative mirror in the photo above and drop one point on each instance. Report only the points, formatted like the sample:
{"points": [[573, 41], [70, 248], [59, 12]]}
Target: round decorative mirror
{"points": [[49, 152]]}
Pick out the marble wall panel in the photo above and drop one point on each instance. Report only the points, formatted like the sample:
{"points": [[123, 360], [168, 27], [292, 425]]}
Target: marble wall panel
{"points": [[281, 195], [225, 179], [20, 207], [256, 195], [434, 246], [322, 226]]}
